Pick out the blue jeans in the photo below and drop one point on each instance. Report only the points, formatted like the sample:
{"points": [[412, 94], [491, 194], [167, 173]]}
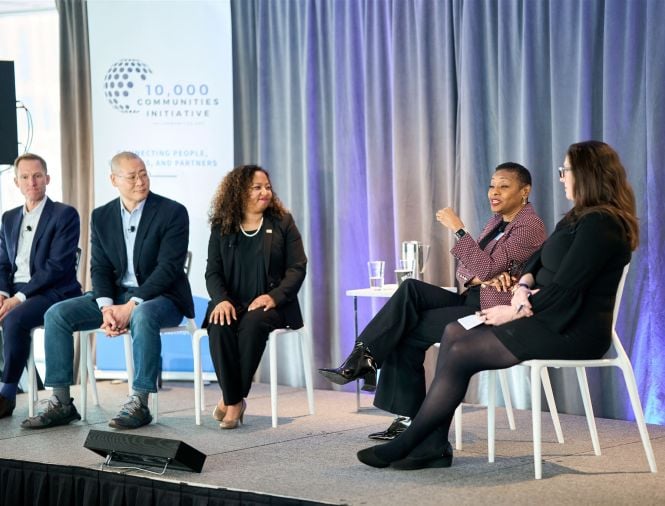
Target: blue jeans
{"points": [[82, 313]]}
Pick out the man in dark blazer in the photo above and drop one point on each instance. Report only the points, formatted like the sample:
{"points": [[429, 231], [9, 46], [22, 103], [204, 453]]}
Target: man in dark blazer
{"points": [[139, 245], [38, 243]]}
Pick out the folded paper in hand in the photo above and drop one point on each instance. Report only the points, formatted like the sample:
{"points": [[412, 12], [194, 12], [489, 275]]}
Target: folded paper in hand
{"points": [[468, 322]]}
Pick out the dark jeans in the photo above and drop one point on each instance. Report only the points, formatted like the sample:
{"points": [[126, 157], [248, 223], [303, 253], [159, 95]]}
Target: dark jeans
{"points": [[82, 313]]}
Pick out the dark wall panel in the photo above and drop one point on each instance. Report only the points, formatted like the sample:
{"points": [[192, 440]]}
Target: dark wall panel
{"points": [[8, 128]]}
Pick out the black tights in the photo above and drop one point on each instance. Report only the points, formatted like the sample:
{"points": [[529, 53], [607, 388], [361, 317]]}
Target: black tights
{"points": [[463, 353]]}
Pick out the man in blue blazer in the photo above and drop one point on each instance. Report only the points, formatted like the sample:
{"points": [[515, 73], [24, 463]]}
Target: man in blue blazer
{"points": [[38, 249], [139, 246]]}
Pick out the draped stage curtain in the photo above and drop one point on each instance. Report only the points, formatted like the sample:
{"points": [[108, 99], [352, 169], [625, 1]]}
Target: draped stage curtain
{"points": [[76, 129], [76, 119], [371, 115]]}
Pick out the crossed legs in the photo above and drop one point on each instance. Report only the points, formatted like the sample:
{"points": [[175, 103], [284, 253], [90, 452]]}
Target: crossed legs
{"points": [[462, 354]]}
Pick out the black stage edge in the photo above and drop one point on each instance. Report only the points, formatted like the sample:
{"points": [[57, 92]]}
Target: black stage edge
{"points": [[36, 484]]}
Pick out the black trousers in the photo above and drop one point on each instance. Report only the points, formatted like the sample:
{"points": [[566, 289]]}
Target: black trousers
{"points": [[236, 350], [398, 336]]}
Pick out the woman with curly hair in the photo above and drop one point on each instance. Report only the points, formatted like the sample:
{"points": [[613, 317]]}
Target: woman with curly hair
{"points": [[256, 265]]}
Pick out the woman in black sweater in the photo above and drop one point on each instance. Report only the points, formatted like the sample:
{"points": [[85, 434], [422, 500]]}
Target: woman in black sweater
{"points": [[561, 307]]}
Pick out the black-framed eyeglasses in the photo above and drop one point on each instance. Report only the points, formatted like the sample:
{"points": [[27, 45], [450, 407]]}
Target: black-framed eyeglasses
{"points": [[562, 171]]}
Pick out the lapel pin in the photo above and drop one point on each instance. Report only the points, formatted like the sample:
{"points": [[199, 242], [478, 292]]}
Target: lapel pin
{"points": [[269, 231]]}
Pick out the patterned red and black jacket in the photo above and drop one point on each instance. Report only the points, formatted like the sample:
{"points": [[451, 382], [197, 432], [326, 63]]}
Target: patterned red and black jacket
{"points": [[508, 253]]}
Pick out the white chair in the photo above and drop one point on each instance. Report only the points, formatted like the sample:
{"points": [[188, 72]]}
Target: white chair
{"points": [[491, 408], [87, 336], [491, 405], [307, 367], [491, 386], [620, 359], [38, 333], [272, 351]]}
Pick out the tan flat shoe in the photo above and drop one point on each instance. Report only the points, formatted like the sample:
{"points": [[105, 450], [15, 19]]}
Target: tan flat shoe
{"points": [[236, 422]]}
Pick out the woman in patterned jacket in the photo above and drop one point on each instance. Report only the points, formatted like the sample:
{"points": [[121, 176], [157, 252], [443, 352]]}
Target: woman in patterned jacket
{"points": [[397, 338], [561, 307]]}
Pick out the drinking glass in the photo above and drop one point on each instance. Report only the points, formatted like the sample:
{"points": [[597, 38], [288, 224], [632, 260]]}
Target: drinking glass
{"points": [[404, 270], [375, 268]]}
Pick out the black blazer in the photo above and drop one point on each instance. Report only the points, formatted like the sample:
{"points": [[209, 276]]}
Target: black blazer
{"points": [[285, 262], [160, 251], [53, 253]]}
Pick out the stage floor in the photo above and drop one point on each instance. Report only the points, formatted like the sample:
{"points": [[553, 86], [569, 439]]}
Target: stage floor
{"points": [[313, 457]]}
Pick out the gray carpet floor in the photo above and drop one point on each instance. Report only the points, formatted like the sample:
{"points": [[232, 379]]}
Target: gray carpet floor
{"points": [[313, 457]]}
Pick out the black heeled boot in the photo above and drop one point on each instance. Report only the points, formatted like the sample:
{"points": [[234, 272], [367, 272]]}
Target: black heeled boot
{"points": [[359, 364]]}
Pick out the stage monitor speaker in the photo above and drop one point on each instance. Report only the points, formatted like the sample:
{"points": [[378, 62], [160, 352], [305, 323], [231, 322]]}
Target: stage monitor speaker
{"points": [[121, 448], [8, 127]]}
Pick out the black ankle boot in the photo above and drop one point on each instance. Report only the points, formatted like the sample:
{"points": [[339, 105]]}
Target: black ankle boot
{"points": [[359, 364]]}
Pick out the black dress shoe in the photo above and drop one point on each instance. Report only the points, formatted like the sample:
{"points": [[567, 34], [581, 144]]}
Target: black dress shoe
{"points": [[6, 406], [369, 458], [440, 457], [359, 364], [399, 425]]}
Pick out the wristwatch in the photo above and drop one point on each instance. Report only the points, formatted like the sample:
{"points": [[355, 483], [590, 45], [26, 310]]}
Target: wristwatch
{"points": [[460, 233]]}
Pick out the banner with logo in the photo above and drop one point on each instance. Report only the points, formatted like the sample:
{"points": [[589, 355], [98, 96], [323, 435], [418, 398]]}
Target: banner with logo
{"points": [[162, 88]]}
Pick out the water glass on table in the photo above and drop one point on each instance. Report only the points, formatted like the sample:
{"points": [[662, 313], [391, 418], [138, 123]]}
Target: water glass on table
{"points": [[375, 268], [404, 270]]}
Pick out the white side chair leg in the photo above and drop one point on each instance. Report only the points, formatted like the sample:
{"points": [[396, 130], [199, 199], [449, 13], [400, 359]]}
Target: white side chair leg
{"points": [[307, 366], [35, 391], [91, 368], [198, 380], [32, 379], [458, 427], [491, 412], [155, 407], [588, 408], [505, 391], [129, 361], [536, 422], [272, 345], [551, 404], [83, 368], [631, 386]]}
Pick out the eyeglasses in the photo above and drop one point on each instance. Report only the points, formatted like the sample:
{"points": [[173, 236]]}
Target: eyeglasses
{"points": [[132, 178], [562, 171]]}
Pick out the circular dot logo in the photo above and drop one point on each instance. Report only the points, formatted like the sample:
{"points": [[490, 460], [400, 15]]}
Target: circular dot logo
{"points": [[123, 81]]}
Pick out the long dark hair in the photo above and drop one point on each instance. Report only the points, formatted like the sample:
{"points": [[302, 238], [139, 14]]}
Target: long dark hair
{"points": [[228, 204], [601, 184]]}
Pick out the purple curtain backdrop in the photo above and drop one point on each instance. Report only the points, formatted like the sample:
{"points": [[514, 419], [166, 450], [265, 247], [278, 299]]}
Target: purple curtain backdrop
{"points": [[371, 115]]}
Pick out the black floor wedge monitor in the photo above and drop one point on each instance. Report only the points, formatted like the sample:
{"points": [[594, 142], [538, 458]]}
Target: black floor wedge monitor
{"points": [[123, 449]]}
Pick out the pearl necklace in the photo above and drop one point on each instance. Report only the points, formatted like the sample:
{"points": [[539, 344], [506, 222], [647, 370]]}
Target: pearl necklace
{"points": [[253, 233]]}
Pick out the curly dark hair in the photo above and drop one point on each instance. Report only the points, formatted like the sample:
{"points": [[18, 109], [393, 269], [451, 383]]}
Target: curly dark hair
{"points": [[228, 203], [601, 184]]}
